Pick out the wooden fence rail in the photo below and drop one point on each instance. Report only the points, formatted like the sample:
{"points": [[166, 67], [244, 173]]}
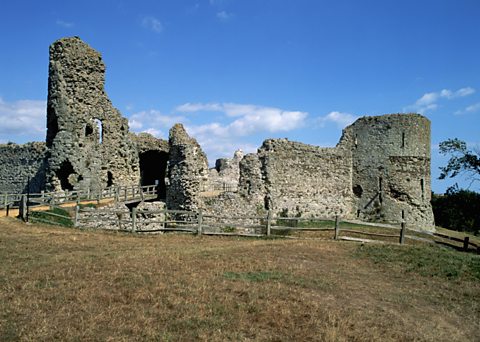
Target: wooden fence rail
{"points": [[197, 223]]}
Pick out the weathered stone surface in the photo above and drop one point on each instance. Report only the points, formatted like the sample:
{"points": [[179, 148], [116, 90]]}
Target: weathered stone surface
{"points": [[89, 142], [226, 173], [146, 142], [18, 163], [187, 170], [391, 166], [379, 171]]}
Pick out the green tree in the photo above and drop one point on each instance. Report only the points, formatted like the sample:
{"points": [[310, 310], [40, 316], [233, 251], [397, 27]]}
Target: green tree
{"points": [[462, 160]]}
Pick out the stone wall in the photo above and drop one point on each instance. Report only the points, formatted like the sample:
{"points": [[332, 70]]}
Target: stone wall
{"points": [[379, 171], [225, 174], [187, 170], [89, 142], [18, 163], [305, 180], [391, 168]]}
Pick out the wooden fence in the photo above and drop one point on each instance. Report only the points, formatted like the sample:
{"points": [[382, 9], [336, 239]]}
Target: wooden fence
{"points": [[25, 202], [147, 221]]}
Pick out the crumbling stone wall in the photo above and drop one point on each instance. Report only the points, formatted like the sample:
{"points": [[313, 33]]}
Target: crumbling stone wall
{"points": [[187, 170], [89, 142], [18, 163], [391, 168], [306, 180], [153, 156], [226, 173], [379, 171]]}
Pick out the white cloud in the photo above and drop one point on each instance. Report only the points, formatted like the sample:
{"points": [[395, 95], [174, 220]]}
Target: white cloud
{"points": [[153, 122], [235, 125], [470, 109], [428, 102], [340, 119], [153, 24], [250, 119], [464, 92], [25, 118], [65, 24]]}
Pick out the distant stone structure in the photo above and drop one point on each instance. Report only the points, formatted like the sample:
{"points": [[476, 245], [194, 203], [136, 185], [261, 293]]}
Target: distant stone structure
{"points": [[379, 170]]}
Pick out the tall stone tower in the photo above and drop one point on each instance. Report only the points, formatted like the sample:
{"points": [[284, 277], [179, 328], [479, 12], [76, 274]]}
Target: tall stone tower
{"points": [[391, 168], [88, 139]]}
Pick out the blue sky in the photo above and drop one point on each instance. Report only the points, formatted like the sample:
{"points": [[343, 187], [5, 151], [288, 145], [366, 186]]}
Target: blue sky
{"points": [[236, 72]]}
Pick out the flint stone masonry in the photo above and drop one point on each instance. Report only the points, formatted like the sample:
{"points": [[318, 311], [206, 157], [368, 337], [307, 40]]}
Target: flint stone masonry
{"points": [[391, 168], [187, 170], [379, 171], [88, 139], [18, 163], [226, 173]]}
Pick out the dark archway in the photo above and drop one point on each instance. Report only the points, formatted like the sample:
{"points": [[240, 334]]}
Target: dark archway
{"points": [[65, 170], [153, 166]]}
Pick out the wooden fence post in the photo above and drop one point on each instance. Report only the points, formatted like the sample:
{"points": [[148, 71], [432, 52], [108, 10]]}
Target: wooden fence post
{"points": [[134, 219], [466, 240], [77, 212], [269, 222], [402, 232], [337, 227], [5, 201], [200, 222], [23, 212], [7, 209]]}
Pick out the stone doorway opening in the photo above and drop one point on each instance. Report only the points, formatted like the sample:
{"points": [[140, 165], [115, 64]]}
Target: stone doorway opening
{"points": [[153, 167], [64, 172]]}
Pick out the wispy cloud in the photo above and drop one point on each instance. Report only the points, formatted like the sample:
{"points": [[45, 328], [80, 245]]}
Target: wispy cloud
{"points": [[22, 118], [340, 119], [428, 102], [470, 109], [152, 24], [66, 24], [224, 16]]}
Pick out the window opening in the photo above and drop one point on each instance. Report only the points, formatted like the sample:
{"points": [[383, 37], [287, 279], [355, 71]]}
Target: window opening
{"points": [[109, 179], [422, 187], [100, 130]]}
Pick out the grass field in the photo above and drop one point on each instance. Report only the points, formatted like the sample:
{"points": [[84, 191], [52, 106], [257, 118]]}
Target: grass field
{"points": [[67, 284]]}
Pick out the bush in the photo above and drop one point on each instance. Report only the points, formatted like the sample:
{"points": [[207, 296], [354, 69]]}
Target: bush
{"points": [[458, 210]]}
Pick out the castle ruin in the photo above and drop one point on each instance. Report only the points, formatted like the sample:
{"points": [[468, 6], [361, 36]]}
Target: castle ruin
{"points": [[379, 170]]}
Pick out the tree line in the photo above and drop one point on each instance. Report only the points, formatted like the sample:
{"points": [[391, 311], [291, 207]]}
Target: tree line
{"points": [[458, 209]]}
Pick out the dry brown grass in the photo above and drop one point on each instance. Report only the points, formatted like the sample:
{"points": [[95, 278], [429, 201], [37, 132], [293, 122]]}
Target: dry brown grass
{"points": [[65, 284]]}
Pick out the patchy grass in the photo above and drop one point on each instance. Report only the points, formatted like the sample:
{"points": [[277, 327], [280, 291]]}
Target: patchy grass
{"points": [[51, 216], [64, 284], [428, 261]]}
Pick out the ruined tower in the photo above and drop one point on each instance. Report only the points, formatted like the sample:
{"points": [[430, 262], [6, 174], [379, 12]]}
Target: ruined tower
{"points": [[391, 168], [88, 139]]}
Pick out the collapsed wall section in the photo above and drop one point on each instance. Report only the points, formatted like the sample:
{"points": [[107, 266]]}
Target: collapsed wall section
{"points": [[187, 170], [22, 165], [90, 146]]}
